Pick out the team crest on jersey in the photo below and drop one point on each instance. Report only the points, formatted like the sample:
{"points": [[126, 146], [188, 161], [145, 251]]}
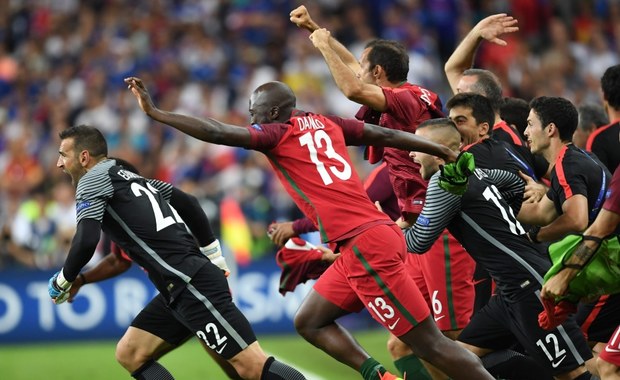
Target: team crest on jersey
{"points": [[257, 127], [82, 205], [417, 202], [608, 194], [423, 221]]}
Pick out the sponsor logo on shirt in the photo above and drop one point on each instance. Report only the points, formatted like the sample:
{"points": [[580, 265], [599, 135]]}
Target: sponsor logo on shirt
{"points": [[418, 202], [423, 221], [82, 205], [257, 127]]}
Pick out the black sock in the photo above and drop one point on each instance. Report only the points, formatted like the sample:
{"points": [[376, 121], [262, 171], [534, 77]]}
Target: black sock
{"points": [[513, 365], [275, 370], [152, 370]]}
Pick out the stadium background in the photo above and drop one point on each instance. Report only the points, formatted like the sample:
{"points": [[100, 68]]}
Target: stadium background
{"points": [[62, 63]]}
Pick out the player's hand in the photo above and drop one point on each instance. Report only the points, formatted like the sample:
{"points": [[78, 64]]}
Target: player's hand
{"points": [[556, 286], [214, 252], [144, 99], [301, 17], [279, 233], [328, 255], [58, 288], [75, 288], [320, 38], [454, 176], [490, 28], [533, 191]]}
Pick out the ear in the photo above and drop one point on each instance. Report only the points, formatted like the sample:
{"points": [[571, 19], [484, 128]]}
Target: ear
{"points": [[483, 128], [553, 129], [377, 71], [84, 158], [274, 112]]}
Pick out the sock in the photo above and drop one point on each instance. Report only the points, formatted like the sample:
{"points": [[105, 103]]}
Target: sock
{"points": [[513, 365], [370, 368], [584, 376], [275, 370], [152, 370], [412, 366]]}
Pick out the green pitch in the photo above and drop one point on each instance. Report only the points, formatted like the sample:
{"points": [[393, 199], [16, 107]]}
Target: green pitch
{"points": [[95, 360]]}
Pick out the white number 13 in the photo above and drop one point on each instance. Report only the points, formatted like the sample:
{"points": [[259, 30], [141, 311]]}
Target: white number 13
{"points": [[319, 140]]}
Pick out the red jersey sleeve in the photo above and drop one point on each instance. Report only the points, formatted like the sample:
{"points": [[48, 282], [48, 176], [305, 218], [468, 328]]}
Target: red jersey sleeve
{"points": [[264, 137], [612, 201]]}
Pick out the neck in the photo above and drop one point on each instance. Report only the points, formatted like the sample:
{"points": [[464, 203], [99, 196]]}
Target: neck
{"points": [[613, 114], [553, 151]]}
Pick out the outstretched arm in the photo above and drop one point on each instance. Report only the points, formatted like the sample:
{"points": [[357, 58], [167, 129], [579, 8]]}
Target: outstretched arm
{"points": [[346, 78], [379, 136], [603, 226], [301, 17], [490, 29], [208, 129]]}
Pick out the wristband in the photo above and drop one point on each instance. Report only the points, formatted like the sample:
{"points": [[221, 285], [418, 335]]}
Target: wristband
{"points": [[532, 234]]}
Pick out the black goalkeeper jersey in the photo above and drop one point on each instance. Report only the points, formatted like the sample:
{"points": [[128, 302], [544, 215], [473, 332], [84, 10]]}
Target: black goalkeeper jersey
{"points": [[485, 224], [135, 213]]}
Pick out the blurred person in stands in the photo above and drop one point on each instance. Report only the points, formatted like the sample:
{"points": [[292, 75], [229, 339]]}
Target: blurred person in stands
{"points": [[308, 152], [514, 112], [591, 117], [605, 141], [378, 82], [149, 220]]}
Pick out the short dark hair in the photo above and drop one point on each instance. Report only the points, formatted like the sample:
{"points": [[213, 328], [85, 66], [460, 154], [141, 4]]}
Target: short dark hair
{"points": [[610, 83], [435, 122], [488, 85], [515, 111], [557, 110], [86, 138], [480, 106], [592, 116], [392, 56]]}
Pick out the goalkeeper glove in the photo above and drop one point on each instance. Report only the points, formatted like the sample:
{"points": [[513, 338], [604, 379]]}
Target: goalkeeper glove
{"points": [[454, 176], [214, 252], [58, 288]]}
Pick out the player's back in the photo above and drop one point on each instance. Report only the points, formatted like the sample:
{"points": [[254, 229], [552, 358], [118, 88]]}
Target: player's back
{"points": [[313, 163]]}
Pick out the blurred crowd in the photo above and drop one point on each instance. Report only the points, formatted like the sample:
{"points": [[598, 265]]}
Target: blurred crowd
{"points": [[62, 63]]}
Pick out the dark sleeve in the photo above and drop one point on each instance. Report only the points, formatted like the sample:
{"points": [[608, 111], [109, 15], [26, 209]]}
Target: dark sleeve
{"points": [[82, 248], [352, 129], [265, 137], [303, 225], [510, 186], [193, 215]]}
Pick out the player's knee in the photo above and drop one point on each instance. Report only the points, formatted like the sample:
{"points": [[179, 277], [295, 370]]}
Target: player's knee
{"points": [[606, 370], [397, 348], [128, 355], [302, 326]]}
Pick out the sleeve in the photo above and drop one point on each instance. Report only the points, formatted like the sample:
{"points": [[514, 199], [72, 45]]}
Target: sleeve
{"points": [[264, 137], [82, 248], [303, 225], [439, 210], [612, 201], [193, 216], [403, 104], [92, 194], [510, 186], [352, 129]]}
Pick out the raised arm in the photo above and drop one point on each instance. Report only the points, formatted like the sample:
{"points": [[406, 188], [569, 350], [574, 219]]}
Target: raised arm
{"points": [[209, 130], [301, 17], [490, 29], [379, 136]]}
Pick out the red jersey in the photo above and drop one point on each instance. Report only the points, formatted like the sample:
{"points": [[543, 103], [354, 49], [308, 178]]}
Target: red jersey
{"points": [[310, 157], [407, 107], [612, 201]]}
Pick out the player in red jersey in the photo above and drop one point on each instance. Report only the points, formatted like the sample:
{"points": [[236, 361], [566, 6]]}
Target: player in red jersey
{"points": [[379, 83], [308, 153]]}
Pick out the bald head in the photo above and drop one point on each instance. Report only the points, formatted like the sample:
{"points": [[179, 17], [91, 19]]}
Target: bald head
{"points": [[271, 102]]}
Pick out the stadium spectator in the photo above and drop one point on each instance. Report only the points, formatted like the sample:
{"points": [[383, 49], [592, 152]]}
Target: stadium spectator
{"points": [[514, 112], [367, 239], [378, 82], [591, 117], [605, 141], [193, 290]]}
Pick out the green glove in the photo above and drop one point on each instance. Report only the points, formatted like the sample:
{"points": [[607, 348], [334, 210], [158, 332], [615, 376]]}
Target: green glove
{"points": [[454, 176]]}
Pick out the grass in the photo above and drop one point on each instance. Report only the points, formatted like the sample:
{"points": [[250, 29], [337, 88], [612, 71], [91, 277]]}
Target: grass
{"points": [[95, 360]]}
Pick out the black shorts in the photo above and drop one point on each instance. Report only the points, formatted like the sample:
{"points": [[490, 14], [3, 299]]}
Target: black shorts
{"points": [[205, 309], [598, 320], [500, 324]]}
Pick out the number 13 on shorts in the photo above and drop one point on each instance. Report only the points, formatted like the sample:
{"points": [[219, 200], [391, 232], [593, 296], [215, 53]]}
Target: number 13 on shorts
{"points": [[383, 311]]}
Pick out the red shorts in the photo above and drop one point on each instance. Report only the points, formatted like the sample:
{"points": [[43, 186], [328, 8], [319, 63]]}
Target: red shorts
{"points": [[611, 353], [445, 276], [371, 273]]}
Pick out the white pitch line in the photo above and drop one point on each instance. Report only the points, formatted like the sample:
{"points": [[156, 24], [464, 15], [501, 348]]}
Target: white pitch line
{"points": [[308, 374]]}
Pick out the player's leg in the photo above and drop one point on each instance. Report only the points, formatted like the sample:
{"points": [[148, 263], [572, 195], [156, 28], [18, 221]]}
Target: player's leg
{"points": [[608, 361], [206, 308], [377, 274]]}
